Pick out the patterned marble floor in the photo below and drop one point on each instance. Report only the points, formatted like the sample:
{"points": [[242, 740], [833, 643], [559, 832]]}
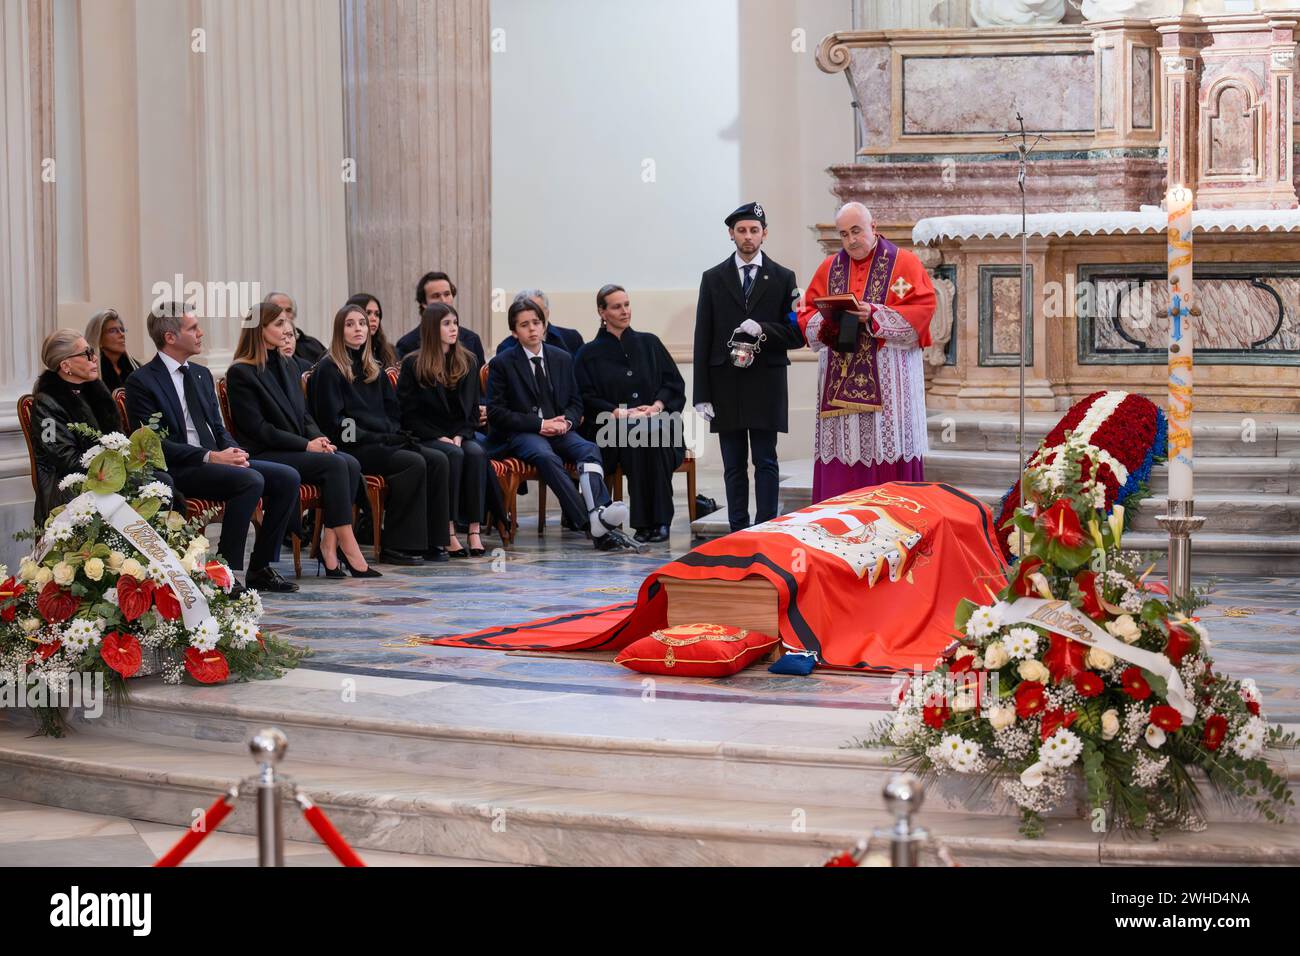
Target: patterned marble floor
{"points": [[364, 626]]}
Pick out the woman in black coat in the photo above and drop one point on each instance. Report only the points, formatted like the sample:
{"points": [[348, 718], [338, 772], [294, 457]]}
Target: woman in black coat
{"points": [[106, 332], [68, 391], [438, 390], [270, 419], [355, 403], [628, 381]]}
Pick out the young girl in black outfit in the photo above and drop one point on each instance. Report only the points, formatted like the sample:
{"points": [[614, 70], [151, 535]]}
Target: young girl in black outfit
{"points": [[355, 404]]}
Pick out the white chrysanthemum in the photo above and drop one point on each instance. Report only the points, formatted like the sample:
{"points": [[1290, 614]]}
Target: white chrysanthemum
{"points": [[90, 455], [206, 635], [1021, 642], [1249, 690], [1061, 749], [115, 441], [966, 757], [158, 574], [81, 634], [244, 631], [156, 489], [80, 512], [983, 622], [1250, 740], [70, 480]]}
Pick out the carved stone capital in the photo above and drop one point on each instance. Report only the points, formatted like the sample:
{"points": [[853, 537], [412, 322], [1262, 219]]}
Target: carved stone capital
{"points": [[833, 54], [1284, 59]]}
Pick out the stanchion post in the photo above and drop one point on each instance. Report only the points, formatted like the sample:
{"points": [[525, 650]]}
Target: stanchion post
{"points": [[268, 747], [903, 797]]}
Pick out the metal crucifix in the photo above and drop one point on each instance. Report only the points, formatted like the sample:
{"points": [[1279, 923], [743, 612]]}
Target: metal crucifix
{"points": [[1023, 149]]}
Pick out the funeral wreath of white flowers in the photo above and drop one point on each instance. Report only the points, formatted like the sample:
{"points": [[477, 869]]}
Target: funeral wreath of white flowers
{"points": [[1082, 666], [118, 584]]}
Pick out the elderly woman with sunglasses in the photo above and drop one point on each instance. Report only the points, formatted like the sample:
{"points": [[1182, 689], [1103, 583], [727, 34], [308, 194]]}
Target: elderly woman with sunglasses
{"points": [[68, 391]]}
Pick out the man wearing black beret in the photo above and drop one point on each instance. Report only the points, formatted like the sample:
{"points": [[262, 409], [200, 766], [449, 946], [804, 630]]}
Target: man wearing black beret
{"points": [[746, 304]]}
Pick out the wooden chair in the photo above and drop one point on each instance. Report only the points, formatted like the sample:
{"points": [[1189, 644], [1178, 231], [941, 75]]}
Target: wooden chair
{"points": [[376, 490], [193, 506], [687, 467], [25, 403], [309, 496]]}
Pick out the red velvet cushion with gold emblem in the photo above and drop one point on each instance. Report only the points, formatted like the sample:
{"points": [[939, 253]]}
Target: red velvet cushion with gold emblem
{"points": [[696, 650]]}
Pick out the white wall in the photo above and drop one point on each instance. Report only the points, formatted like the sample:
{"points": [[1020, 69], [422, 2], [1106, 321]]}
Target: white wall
{"points": [[723, 95]]}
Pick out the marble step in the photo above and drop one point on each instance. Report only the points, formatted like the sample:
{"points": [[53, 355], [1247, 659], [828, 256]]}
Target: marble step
{"points": [[1214, 435], [1238, 475], [787, 755], [435, 815]]}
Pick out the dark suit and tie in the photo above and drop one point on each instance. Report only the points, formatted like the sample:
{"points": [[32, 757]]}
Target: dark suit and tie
{"points": [[750, 405], [522, 391], [183, 394]]}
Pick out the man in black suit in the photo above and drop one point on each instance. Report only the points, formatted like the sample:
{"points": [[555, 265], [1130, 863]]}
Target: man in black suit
{"points": [[746, 298], [203, 458], [535, 408], [568, 339], [438, 287]]}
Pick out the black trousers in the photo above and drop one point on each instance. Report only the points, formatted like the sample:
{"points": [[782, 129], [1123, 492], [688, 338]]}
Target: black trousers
{"points": [[648, 460], [337, 474], [415, 513], [467, 478], [736, 448], [275, 485]]}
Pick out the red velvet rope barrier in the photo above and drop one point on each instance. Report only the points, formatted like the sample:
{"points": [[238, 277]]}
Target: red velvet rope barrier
{"points": [[325, 830], [212, 818]]}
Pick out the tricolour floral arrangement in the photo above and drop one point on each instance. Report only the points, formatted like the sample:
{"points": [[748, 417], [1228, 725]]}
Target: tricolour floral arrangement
{"points": [[1124, 435], [1082, 667], [117, 582]]}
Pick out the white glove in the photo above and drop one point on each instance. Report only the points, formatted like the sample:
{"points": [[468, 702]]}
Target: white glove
{"points": [[705, 411], [750, 327]]}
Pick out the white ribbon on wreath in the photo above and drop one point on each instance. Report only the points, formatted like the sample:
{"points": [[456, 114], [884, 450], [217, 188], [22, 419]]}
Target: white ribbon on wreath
{"points": [[117, 511], [1063, 618]]}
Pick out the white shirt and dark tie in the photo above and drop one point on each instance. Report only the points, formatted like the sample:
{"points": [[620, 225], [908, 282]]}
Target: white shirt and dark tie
{"points": [[542, 377], [748, 271], [178, 382]]}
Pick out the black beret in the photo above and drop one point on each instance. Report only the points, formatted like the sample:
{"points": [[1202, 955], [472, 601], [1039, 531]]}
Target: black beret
{"points": [[751, 210]]}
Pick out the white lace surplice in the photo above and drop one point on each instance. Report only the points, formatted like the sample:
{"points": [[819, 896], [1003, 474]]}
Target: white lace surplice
{"points": [[898, 430]]}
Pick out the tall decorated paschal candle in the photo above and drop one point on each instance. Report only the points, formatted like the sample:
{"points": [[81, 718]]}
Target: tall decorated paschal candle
{"points": [[1179, 206]]}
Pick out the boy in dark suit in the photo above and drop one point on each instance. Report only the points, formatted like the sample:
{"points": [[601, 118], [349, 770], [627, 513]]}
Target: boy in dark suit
{"points": [[746, 298], [535, 407], [203, 458]]}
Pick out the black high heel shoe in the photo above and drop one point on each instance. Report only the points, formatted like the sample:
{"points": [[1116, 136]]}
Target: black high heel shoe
{"points": [[345, 563], [334, 572], [477, 552], [461, 552]]}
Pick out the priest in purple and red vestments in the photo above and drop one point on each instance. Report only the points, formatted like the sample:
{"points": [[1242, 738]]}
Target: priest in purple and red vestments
{"points": [[871, 402]]}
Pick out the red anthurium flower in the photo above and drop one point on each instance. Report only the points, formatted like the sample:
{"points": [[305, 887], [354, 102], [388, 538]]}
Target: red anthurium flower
{"points": [[45, 651], [1166, 718], [936, 717], [1216, 728], [9, 591], [1088, 684], [206, 667], [1135, 685], [1181, 641], [219, 574], [1022, 586], [1030, 699], [1053, 720], [1253, 707], [1064, 658], [56, 604], [133, 597], [1087, 581], [121, 652], [1060, 524], [164, 599]]}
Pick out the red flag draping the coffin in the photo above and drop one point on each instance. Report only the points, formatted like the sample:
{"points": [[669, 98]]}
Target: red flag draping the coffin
{"points": [[868, 580]]}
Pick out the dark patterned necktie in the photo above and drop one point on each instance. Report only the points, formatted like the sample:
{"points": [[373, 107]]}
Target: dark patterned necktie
{"points": [[749, 280], [196, 410]]}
